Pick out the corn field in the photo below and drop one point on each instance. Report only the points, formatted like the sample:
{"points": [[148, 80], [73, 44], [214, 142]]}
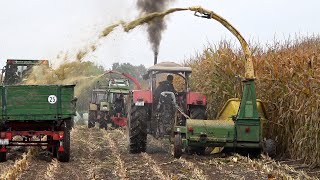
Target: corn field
{"points": [[288, 82]]}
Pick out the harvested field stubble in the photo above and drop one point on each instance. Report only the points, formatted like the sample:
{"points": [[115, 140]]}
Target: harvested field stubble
{"points": [[288, 81]]}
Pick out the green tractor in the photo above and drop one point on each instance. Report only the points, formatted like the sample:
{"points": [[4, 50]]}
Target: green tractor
{"points": [[239, 125], [107, 105], [16, 70]]}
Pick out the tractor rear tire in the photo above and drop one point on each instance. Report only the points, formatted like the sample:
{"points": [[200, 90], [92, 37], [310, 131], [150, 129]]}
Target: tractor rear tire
{"points": [[65, 155], [198, 112], [177, 146], [269, 148], [3, 156], [137, 129]]}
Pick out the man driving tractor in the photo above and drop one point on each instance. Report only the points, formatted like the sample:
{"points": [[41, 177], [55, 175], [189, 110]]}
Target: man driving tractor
{"points": [[119, 103], [165, 86]]}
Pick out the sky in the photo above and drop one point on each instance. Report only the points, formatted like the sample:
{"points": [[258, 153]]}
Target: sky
{"points": [[47, 29]]}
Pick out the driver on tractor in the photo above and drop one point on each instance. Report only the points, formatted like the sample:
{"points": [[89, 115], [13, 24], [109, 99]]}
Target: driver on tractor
{"points": [[119, 103], [165, 86]]}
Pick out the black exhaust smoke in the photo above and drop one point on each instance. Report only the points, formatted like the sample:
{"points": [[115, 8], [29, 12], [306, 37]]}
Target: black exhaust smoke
{"points": [[156, 26]]}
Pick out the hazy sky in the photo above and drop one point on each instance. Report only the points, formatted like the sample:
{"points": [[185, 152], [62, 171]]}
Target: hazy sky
{"points": [[42, 29]]}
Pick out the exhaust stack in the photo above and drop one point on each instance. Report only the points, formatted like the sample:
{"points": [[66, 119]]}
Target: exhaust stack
{"points": [[155, 58]]}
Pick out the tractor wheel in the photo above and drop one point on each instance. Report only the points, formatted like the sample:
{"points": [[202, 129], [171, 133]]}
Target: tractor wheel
{"points": [[190, 150], [200, 150], [65, 155], [196, 150], [177, 146], [91, 122], [198, 112], [137, 129], [269, 147], [3, 156], [102, 124]]}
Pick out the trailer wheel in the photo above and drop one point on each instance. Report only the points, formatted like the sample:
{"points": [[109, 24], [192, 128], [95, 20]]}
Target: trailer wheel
{"points": [[137, 129], [177, 146], [269, 147], [3, 156], [196, 150], [200, 150], [198, 112], [65, 155]]}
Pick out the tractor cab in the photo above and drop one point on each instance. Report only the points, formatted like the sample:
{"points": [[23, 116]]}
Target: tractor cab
{"points": [[182, 96], [16, 70], [154, 74], [99, 99]]}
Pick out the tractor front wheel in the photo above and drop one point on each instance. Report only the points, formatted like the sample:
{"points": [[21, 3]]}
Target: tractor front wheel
{"points": [[137, 129], [269, 147], [103, 124], [177, 146], [3, 156], [198, 112]]}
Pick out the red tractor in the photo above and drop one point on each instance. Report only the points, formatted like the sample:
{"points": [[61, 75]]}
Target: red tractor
{"points": [[156, 112]]}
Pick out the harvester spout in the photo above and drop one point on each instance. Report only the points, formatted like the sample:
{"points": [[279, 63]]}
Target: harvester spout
{"points": [[204, 13]]}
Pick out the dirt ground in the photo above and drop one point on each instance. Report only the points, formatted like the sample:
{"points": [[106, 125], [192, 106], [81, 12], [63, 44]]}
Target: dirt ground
{"points": [[103, 154]]}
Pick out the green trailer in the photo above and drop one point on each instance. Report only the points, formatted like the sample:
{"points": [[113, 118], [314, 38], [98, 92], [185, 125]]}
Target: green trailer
{"points": [[42, 115]]}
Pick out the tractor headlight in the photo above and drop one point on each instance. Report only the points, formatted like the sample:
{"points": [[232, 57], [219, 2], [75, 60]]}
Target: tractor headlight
{"points": [[105, 108], [139, 103]]}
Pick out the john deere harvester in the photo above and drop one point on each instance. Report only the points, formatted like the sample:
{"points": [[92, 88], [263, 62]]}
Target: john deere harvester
{"points": [[239, 125]]}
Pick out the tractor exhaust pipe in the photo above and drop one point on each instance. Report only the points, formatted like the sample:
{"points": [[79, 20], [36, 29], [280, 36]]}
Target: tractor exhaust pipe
{"points": [[155, 58]]}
